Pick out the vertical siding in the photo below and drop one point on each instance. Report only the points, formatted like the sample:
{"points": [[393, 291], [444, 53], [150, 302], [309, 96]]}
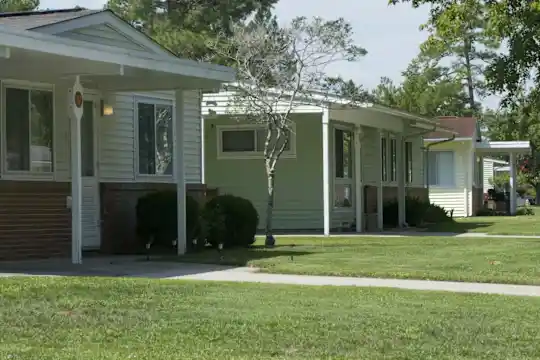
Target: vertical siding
{"points": [[454, 198], [102, 34]]}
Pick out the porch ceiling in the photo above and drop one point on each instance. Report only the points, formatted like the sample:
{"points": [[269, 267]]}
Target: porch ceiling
{"points": [[29, 56]]}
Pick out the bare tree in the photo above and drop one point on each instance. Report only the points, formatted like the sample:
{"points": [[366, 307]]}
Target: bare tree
{"points": [[281, 68]]}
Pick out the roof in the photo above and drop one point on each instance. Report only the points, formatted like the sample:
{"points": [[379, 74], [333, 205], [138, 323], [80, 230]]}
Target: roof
{"points": [[464, 127], [27, 20]]}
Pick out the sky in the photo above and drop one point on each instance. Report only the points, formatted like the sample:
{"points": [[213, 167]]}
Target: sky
{"points": [[390, 34]]}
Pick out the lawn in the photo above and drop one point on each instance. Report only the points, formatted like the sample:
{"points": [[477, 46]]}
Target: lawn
{"points": [[497, 225], [515, 261], [105, 319]]}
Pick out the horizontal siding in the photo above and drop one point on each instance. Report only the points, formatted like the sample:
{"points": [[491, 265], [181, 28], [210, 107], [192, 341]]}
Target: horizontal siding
{"points": [[298, 188], [370, 149], [488, 174], [118, 137], [449, 199], [117, 140], [456, 197]]}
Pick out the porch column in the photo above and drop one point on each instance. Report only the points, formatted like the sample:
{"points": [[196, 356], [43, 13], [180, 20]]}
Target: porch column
{"points": [[380, 185], [179, 170], [326, 170], [359, 200], [513, 199], [400, 171], [75, 101]]}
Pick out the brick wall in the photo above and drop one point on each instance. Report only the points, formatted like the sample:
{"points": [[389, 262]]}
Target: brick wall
{"points": [[34, 220]]}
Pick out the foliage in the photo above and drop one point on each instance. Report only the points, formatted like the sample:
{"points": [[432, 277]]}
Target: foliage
{"points": [[417, 212], [500, 181], [157, 219], [230, 221], [427, 89], [18, 5], [525, 211], [281, 68], [185, 26]]}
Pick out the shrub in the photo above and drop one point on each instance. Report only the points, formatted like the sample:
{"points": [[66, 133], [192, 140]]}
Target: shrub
{"points": [[157, 218], [525, 210], [417, 212], [230, 220]]}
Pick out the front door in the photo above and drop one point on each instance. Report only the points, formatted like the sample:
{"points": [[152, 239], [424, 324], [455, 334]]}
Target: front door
{"points": [[91, 218]]}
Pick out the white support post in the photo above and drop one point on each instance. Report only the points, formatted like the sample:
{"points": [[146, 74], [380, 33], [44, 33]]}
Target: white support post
{"points": [[380, 186], [359, 200], [5, 52], [326, 170], [75, 114], [400, 171], [179, 171], [513, 198]]}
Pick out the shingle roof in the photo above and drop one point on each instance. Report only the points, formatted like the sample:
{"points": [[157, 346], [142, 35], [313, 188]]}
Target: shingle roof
{"points": [[465, 127], [34, 19]]}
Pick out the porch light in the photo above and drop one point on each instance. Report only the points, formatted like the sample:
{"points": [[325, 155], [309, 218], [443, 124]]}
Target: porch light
{"points": [[106, 109]]}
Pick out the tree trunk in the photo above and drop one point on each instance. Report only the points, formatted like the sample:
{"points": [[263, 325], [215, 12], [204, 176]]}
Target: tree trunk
{"points": [[270, 173], [468, 68]]}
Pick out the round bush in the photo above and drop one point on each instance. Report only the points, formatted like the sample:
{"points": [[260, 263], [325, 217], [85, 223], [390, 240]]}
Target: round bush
{"points": [[230, 220]]}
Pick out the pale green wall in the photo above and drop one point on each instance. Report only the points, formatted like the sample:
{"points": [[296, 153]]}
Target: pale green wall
{"points": [[298, 194]]}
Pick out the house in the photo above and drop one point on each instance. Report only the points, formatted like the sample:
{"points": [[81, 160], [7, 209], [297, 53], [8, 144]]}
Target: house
{"points": [[342, 163], [491, 168], [455, 167], [93, 115]]}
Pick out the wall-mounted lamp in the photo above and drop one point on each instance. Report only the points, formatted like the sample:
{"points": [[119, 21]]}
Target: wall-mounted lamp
{"points": [[106, 109]]}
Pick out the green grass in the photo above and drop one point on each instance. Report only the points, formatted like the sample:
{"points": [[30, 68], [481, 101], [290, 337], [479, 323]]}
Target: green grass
{"points": [[496, 225], [515, 261], [121, 319]]}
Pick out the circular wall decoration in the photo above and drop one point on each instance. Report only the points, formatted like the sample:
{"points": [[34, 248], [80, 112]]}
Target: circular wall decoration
{"points": [[78, 99]]}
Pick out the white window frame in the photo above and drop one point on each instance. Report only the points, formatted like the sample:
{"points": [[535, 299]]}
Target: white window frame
{"points": [[137, 99], [408, 158], [430, 168], [244, 155], [343, 181], [385, 175], [25, 175], [392, 160]]}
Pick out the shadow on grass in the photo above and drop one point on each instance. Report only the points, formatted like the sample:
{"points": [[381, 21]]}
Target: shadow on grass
{"points": [[238, 256], [458, 227]]}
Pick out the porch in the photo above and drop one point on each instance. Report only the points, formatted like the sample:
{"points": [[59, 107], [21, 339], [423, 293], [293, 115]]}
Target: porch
{"points": [[49, 126], [511, 149]]}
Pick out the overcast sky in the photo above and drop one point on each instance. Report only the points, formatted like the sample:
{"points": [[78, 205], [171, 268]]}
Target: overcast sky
{"points": [[390, 34]]}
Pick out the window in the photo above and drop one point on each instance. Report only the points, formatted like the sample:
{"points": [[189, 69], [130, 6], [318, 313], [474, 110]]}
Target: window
{"points": [[408, 162], [250, 141], [393, 160], [155, 138], [343, 168], [28, 130], [384, 159], [441, 168]]}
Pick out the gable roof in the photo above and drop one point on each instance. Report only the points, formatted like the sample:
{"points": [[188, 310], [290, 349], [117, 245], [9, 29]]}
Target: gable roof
{"points": [[29, 20], [464, 127], [58, 21]]}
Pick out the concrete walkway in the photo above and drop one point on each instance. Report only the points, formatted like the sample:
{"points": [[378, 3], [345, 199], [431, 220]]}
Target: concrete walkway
{"points": [[252, 276], [411, 234], [134, 266]]}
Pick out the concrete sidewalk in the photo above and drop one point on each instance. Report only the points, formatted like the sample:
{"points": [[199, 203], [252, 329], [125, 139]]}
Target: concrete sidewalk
{"points": [[252, 276]]}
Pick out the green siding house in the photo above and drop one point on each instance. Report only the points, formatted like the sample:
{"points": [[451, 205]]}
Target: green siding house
{"points": [[342, 164]]}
